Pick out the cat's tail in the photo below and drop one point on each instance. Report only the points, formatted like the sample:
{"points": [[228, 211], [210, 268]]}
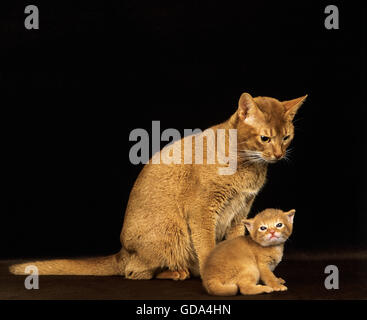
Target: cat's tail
{"points": [[101, 266], [217, 288]]}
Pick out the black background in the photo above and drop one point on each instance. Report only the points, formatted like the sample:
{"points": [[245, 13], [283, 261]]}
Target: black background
{"points": [[73, 90]]}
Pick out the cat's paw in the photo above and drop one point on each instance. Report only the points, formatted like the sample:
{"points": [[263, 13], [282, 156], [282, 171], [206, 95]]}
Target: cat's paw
{"points": [[184, 274], [279, 287], [174, 275], [267, 289], [281, 281]]}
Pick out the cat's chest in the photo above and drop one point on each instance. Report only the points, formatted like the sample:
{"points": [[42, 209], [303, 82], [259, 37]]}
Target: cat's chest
{"points": [[229, 210], [236, 196]]}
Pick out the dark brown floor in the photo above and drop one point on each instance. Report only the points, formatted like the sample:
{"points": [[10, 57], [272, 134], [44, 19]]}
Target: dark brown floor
{"points": [[304, 274]]}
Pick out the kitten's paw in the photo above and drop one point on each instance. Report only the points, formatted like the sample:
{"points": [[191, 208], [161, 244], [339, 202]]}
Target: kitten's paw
{"points": [[281, 281], [267, 289], [184, 274], [279, 287]]}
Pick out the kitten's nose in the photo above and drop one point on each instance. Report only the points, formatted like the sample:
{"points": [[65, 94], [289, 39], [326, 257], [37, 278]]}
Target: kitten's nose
{"points": [[272, 231]]}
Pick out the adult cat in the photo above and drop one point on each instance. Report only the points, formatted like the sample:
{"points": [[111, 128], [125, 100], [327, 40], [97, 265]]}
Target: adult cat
{"points": [[177, 212]]}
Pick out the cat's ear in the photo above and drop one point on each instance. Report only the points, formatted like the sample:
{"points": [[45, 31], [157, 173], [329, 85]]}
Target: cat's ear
{"points": [[291, 106], [248, 224], [290, 215], [247, 108]]}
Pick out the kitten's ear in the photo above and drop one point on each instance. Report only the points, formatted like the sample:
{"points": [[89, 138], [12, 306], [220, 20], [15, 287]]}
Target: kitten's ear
{"points": [[247, 108], [291, 106], [248, 224], [290, 215]]}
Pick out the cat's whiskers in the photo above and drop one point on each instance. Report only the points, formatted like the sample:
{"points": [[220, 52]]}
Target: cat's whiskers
{"points": [[250, 156], [287, 155], [250, 152]]}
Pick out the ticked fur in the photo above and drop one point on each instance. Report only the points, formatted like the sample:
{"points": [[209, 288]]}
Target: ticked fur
{"points": [[177, 212], [239, 263]]}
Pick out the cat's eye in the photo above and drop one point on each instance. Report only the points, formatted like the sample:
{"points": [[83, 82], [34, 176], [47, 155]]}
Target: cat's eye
{"points": [[279, 225], [265, 138], [262, 228], [286, 138]]}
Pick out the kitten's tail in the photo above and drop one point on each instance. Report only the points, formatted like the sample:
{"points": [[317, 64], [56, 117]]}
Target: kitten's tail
{"points": [[217, 288], [101, 266]]}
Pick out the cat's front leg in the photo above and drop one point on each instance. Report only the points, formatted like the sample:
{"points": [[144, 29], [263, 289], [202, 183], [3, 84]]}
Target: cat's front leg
{"points": [[281, 281], [237, 227], [235, 231], [269, 278], [202, 229]]}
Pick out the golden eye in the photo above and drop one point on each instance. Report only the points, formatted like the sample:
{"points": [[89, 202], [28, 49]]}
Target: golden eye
{"points": [[265, 138], [286, 138]]}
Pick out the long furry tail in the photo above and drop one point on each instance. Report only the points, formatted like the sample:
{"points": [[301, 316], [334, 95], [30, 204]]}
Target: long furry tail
{"points": [[101, 266], [217, 288]]}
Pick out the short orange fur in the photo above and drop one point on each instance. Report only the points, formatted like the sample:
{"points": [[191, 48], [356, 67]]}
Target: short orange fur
{"points": [[178, 212], [239, 264]]}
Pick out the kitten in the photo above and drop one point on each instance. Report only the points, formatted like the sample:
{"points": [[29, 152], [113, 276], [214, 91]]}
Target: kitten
{"points": [[241, 262]]}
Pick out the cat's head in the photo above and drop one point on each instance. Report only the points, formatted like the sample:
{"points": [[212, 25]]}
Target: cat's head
{"points": [[264, 127], [271, 226]]}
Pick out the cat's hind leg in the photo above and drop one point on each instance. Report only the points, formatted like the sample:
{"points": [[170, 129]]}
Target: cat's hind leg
{"points": [[161, 245], [248, 286], [175, 250], [174, 275], [171, 254], [217, 288], [248, 282], [137, 269]]}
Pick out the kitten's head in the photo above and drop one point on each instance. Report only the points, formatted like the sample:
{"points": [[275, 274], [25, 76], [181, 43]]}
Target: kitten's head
{"points": [[271, 226], [264, 127]]}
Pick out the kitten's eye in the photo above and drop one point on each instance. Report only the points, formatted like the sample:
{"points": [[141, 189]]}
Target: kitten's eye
{"points": [[279, 225], [286, 138], [262, 228], [265, 138]]}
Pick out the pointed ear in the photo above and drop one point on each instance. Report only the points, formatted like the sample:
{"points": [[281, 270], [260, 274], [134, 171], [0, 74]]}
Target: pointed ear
{"points": [[291, 106], [290, 215], [248, 224], [247, 108]]}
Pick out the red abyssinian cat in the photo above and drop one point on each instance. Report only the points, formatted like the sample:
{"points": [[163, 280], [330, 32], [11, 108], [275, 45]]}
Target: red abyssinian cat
{"points": [[241, 262], [177, 212]]}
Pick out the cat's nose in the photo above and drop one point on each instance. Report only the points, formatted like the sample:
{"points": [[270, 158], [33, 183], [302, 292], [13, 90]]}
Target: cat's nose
{"points": [[278, 155], [272, 231]]}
